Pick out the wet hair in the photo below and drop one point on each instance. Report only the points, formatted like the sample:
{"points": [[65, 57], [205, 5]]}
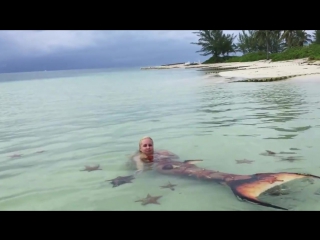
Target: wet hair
{"points": [[146, 137], [143, 156]]}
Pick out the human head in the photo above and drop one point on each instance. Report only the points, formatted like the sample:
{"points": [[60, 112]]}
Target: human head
{"points": [[146, 145]]}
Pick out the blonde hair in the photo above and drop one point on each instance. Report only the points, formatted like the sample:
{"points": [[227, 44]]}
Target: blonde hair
{"points": [[143, 156], [145, 137]]}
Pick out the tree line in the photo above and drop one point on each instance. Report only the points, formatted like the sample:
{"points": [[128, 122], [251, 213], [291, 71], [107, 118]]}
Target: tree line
{"points": [[218, 44]]}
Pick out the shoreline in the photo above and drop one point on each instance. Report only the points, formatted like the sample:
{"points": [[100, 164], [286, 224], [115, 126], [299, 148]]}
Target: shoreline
{"points": [[258, 70]]}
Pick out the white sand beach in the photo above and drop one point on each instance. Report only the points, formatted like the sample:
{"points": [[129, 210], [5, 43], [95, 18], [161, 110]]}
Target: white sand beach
{"points": [[260, 69]]}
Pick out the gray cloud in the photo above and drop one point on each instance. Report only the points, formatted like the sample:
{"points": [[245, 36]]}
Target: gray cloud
{"points": [[60, 50], [54, 50]]}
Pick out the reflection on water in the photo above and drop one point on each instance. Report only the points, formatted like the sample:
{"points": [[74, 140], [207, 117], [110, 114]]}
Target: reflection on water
{"points": [[282, 103], [271, 106], [249, 119]]}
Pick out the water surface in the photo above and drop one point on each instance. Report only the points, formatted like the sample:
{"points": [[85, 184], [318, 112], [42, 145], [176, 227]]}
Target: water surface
{"points": [[89, 117]]}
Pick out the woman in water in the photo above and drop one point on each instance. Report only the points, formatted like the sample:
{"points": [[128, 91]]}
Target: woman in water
{"points": [[246, 187], [146, 154]]}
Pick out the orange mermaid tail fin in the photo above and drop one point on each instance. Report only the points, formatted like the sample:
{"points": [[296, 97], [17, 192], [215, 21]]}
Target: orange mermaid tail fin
{"points": [[250, 189]]}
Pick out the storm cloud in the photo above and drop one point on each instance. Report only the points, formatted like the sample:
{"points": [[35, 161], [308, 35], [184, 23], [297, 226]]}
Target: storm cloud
{"points": [[62, 50]]}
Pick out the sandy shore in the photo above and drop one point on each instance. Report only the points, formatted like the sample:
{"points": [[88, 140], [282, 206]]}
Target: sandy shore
{"points": [[258, 69]]}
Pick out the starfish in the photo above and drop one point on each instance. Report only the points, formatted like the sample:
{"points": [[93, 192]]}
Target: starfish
{"points": [[121, 180], [287, 153], [89, 169], [16, 155], [290, 159], [169, 186], [42, 151], [244, 161], [268, 153], [294, 149], [149, 199]]}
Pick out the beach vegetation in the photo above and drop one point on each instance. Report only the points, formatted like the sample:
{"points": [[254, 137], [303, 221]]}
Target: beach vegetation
{"points": [[316, 37], [255, 45], [215, 43]]}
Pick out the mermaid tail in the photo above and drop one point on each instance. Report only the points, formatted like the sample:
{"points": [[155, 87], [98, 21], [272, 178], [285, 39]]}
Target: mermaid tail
{"points": [[245, 187], [251, 189]]}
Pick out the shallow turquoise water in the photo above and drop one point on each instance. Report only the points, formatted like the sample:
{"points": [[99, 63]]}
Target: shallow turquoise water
{"points": [[97, 117]]}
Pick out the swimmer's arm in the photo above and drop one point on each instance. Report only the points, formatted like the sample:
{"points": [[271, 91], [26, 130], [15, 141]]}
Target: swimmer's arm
{"points": [[139, 164]]}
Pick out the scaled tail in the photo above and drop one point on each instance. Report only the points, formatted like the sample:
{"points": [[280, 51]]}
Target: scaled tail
{"points": [[250, 189]]}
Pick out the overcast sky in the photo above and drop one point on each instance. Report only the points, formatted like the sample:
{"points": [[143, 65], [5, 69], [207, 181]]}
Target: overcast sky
{"points": [[59, 50]]}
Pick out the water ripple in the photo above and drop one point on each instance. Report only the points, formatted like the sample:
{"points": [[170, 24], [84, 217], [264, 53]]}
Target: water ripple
{"points": [[97, 118], [255, 105]]}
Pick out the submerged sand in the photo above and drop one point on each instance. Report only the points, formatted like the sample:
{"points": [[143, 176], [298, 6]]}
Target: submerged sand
{"points": [[258, 69]]}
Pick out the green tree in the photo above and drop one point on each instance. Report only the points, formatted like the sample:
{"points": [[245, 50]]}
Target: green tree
{"points": [[247, 43], [275, 42], [294, 38], [288, 36], [316, 36], [302, 37], [215, 43], [263, 36]]}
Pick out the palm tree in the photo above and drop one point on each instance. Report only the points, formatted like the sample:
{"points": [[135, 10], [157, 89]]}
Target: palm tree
{"points": [[214, 42], [288, 36], [316, 36], [302, 37], [263, 37], [227, 45], [295, 38], [247, 43], [275, 41]]}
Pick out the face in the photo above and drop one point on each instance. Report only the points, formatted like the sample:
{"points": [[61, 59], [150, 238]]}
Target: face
{"points": [[146, 146]]}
